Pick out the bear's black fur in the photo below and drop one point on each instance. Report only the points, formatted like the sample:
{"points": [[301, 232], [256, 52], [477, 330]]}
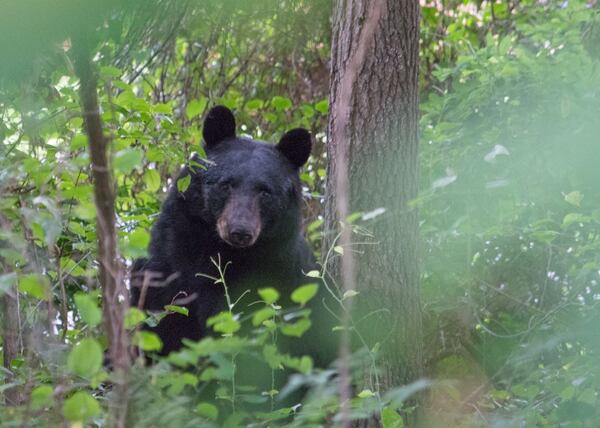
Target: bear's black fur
{"points": [[242, 206]]}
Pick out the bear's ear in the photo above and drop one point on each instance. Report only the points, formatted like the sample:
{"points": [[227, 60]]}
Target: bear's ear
{"points": [[295, 145], [218, 125]]}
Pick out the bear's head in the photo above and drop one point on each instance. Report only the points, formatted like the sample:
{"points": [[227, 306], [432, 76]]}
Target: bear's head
{"points": [[250, 190]]}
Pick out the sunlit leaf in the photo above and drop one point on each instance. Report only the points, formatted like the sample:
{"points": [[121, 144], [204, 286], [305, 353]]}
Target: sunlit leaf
{"points": [[296, 329], [224, 323], [85, 359], [183, 183], [134, 317], [181, 310], [365, 393], [35, 285], [139, 239], [126, 160], [147, 341], [81, 407], [391, 419], [313, 274], [262, 315], [322, 106], [281, 103], [269, 295], [41, 396], [88, 309], [195, 107], [152, 180], [304, 293]]}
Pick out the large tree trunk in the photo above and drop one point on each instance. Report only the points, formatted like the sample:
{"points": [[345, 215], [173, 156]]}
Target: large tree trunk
{"points": [[372, 152]]}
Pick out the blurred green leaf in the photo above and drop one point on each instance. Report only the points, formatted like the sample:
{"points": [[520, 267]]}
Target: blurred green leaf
{"points": [[208, 410], [269, 295], [85, 359], [147, 341], [88, 309], [35, 285], [304, 293], [80, 407], [152, 180]]}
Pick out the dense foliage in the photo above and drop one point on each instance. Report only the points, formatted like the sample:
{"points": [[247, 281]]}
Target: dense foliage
{"points": [[509, 209]]}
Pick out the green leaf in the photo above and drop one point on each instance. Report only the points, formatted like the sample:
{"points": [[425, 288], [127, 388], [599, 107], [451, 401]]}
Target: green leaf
{"points": [[126, 160], [391, 419], [163, 108], [147, 341], [304, 293], [574, 198], [254, 104], [297, 329], [262, 315], [41, 397], [133, 318], [79, 141], [281, 103], [85, 359], [177, 309], [88, 309], [224, 323], [35, 285], [195, 107], [108, 71], [86, 210], [322, 106], [349, 293], [306, 364], [575, 218], [183, 183], [208, 410], [366, 393], [152, 180], [272, 356], [139, 239], [269, 295], [313, 274], [80, 407]]}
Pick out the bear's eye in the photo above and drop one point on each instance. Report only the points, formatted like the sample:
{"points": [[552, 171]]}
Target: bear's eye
{"points": [[265, 191], [225, 185]]}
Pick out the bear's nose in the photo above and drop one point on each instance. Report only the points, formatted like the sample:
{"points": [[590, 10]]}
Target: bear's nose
{"points": [[240, 237]]}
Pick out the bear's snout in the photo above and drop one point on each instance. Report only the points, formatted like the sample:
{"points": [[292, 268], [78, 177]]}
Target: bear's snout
{"points": [[239, 224], [240, 237]]}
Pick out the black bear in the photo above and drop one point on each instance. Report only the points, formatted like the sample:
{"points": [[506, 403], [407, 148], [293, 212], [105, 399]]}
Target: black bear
{"points": [[241, 207]]}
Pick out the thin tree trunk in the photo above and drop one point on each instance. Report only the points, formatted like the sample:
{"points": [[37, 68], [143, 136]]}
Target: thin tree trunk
{"points": [[114, 293], [9, 312], [9, 309], [372, 152]]}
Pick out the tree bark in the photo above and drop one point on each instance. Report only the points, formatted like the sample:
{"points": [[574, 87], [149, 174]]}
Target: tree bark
{"points": [[114, 293], [372, 153], [9, 309], [10, 330]]}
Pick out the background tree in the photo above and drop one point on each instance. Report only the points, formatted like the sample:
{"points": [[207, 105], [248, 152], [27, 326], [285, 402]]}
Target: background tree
{"points": [[372, 153]]}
